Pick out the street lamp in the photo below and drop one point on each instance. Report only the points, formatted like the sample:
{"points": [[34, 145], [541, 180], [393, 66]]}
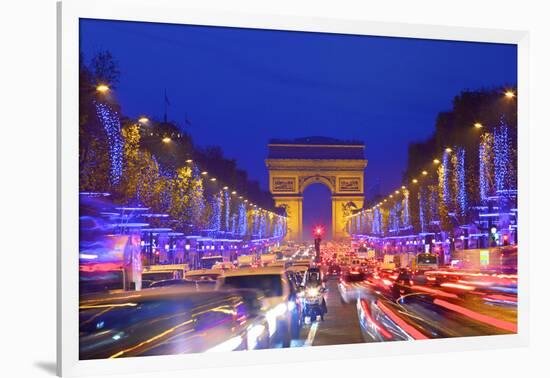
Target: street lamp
{"points": [[102, 88], [436, 161], [424, 173], [509, 94], [166, 139], [478, 125], [189, 161], [204, 173], [143, 120], [415, 181], [448, 149], [213, 179]]}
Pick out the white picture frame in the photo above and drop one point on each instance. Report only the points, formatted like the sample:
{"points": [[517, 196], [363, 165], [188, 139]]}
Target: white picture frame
{"points": [[164, 11]]}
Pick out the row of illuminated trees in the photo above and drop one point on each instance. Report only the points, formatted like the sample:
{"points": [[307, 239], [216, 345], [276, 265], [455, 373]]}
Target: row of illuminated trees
{"points": [[146, 164], [195, 200], [469, 162]]}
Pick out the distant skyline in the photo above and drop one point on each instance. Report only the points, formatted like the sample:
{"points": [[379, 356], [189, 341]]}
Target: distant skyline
{"points": [[241, 87]]}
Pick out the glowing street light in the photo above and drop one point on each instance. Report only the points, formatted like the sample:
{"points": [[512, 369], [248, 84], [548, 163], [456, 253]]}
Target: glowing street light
{"points": [[225, 188], [424, 173], [204, 173], [403, 187], [189, 161], [213, 179], [509, 94], [143, 120], [234, 192], [478, 125], [415, 181], [397, 192], [102, 88], [166, 139], [436, 161], [448, 149]]}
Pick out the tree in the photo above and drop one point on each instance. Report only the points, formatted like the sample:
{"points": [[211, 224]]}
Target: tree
{"points": [[105, 69]]}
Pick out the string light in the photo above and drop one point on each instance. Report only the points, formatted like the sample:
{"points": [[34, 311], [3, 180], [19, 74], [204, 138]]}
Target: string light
{"points": [[486, 171], [460, 180], [502, 156], [110, 121], [444, 176]]}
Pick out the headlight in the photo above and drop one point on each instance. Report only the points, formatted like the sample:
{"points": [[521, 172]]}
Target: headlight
{"points": [[312, 292]]}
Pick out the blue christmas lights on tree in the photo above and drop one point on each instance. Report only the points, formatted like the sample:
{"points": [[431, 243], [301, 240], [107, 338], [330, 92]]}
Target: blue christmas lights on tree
{"points": [[227, 210], [444, 178], [460, 181], [406, 210], [502, 156], [243, 222], [111, 124], [486, 163], [422, 210]]}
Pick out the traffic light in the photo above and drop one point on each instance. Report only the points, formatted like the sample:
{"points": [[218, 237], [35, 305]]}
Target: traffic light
{"points": [[317, 232]]}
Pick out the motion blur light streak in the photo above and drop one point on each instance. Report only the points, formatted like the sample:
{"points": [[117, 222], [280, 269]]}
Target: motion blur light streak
{"points": [[457, 286], [434, 291], [502, 324], [371, 320], [254, 334], [156, 337], [227, 346], [413, 332], [311, 334], [108, 305]]}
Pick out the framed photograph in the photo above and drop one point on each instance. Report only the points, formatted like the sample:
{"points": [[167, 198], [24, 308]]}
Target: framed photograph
{"points": [[255, 188]]}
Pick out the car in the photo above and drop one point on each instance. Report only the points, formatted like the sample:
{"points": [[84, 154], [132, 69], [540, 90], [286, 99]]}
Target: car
{"points": [[334, 270], [281, 304], [195, 285], [226, 265], [149, 277], [351, 285], [299, 272], [302, 262], [203, 274], [173, 282], [280, 263], [170, 320]]}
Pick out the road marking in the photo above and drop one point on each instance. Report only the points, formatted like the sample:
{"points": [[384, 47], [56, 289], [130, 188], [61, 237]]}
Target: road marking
{"points": [[311, 334]]}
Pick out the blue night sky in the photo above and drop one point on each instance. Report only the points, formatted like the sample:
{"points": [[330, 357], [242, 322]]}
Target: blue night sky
{"points": [[241, 87]]}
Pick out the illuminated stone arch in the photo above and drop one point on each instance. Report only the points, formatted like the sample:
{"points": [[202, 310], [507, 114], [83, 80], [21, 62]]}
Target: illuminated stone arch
{"points": [[294, 165]]}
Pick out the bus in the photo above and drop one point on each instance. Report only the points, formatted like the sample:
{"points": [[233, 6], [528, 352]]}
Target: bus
{"points": [[208, 262], [424, 262]]}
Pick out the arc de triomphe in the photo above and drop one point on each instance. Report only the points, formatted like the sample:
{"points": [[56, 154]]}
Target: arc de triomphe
{"points": [[295, 164]]}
